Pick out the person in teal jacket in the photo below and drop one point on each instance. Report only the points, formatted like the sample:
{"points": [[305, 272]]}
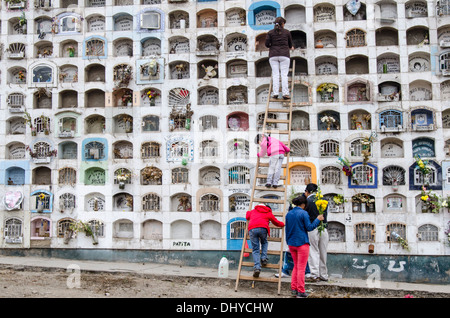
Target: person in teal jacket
{"points": [[297, 227]]}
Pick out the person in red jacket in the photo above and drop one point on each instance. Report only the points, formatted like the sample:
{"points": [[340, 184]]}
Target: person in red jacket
{"points": [[258, 229]]}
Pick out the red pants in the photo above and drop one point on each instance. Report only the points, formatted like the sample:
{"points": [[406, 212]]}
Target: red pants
{"points": [[300, 258]]}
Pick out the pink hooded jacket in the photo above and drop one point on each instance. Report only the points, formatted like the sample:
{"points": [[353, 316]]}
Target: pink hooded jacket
{"points": [[273, 147]]}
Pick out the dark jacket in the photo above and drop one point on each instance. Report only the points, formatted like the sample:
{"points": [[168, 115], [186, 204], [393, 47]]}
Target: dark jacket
{"points": [[298, 226], [312, 210], [279, 44]]}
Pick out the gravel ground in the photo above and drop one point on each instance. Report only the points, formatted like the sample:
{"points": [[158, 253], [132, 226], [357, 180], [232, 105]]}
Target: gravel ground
{"points": [[28, 282]]}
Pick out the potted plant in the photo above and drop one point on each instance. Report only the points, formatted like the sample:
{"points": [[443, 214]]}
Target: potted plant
{"points": [[23, 22], [71, 50]]}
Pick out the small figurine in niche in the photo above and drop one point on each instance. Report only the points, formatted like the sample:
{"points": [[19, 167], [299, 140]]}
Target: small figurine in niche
{"points": [[210, 71]]}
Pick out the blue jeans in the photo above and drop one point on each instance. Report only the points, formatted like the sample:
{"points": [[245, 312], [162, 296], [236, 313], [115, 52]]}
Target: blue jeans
{"points": [[258, 235], [288, 263]]}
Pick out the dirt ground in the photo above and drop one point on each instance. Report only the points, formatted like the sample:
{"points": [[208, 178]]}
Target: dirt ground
{"points": [[23, 282]]}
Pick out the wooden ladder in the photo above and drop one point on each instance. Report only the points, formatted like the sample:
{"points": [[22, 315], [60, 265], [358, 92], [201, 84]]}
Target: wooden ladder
{"points": [[283, 135]]}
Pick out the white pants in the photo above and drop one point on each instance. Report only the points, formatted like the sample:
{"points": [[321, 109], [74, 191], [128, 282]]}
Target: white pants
{"points": [[317, 259], [280, 66], [274, 171]]}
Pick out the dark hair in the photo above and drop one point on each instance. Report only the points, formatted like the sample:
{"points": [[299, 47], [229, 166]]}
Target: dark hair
{"points": [[258, 138], [278, 22], [300, 200], [311, 187]]}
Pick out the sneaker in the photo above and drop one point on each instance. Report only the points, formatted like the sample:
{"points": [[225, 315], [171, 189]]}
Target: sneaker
{"points": [[283, 274], [268, 185], [264, 262], [294, 293], [256, 273], [286, 97], [302, 295], [323, 279]]}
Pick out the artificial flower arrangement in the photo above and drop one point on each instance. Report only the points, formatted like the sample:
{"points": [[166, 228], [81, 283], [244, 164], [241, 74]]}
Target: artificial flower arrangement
{"points": [[401, 240], [346, 167], [423, 165], [362, 198], [431, 201], [339, 199], [327, 119], [21, 75], [327, 88], [447, 234]]}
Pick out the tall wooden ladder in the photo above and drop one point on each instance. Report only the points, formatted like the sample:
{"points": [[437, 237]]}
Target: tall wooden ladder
{"points": [[274, 107]]}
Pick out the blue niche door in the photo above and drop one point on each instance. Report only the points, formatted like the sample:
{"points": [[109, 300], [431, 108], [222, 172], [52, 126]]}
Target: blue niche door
{"points": [[236, 233]]}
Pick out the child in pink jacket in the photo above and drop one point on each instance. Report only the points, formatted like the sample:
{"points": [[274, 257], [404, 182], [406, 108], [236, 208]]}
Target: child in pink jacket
{"points": [[275, 149]]}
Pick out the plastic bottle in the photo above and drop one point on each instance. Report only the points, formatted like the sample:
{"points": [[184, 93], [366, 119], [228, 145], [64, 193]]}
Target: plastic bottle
{"points": [[223, 267]]}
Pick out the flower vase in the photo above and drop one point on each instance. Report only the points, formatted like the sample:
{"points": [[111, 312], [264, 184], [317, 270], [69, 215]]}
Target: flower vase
{"points": [[425, 209], [129, 104], [71, 53], [395, 187], [121, 185], [328, 126], [152, 102], [40, 207], [67, 236], [319, 44], [363, 207], [94, 239]]}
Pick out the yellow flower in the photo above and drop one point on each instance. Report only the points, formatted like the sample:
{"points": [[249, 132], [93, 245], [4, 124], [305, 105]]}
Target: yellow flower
{"points": [[321, 205], [42, 196], [424, 197]]}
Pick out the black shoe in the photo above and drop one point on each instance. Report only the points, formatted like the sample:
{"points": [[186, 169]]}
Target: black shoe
{"points": [[264, 262], [268, 185], [302, 295], [275, 186], [294, 293], [286, 97], [274, 97], [256, 273]]}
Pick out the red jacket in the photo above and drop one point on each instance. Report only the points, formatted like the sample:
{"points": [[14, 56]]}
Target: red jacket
{"points": [[260, 216]]}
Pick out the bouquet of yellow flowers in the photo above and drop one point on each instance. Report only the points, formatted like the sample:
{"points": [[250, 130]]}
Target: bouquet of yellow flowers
{"points": [[321, 205]]}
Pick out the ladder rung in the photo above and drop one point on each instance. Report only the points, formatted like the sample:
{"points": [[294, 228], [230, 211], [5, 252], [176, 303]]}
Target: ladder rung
{"points": [[264, 200], [251, 264], [278, 110], [269, 252], [281, 132], [278, 213], [260, 279], [262, 188], [266, 164], [279, 121], [264, 176]]}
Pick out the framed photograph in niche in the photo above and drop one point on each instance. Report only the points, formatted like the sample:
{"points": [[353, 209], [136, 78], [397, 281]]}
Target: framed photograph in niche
{"points": [[419, 63]]}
